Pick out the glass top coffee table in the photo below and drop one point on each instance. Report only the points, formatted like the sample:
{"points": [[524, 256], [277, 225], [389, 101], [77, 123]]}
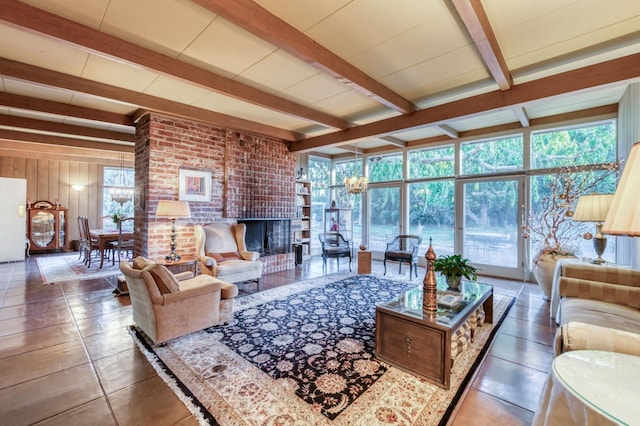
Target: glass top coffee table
{"points": [[420, 342]]}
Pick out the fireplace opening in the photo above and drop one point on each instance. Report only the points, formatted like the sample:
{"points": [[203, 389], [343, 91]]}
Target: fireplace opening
{"points": [[268, 236]]}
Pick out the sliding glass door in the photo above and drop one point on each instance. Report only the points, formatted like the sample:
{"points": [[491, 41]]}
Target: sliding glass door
{"points": [[385, 213], [491, 217]]}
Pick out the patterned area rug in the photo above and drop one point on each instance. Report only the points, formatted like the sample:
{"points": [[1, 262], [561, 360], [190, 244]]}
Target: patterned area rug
{"points": [[303, 354], [56, 269]]}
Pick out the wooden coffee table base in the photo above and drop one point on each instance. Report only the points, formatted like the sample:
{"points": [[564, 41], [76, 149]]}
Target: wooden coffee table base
{"points": [[421, 345]]}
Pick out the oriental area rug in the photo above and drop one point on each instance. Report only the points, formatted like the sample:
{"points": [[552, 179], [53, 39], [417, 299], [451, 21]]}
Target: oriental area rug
{"points": [[303, 354], [68, 267]]}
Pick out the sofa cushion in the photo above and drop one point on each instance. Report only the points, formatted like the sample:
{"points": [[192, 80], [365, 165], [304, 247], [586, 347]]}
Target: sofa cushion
{"points": [[165, 280], [603, 314], [579, 336]]}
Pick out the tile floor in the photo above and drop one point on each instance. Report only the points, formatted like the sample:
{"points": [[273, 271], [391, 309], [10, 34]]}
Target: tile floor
{"points": [[67, 359]]}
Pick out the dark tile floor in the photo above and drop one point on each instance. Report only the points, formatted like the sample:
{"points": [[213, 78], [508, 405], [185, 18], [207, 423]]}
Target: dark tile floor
{"points": [[66, 358]]}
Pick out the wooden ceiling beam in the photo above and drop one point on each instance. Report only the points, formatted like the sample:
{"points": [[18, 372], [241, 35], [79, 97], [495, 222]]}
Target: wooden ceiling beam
{"points": [[625, 69], [28, 17], [477, 23], [41, 105], [9, 148], [49, 126], [17, 136], [77, 84], [259, 21]]}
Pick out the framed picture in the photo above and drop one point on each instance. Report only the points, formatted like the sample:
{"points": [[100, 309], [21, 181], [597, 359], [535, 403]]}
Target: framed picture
{"points": [[194, 186]]}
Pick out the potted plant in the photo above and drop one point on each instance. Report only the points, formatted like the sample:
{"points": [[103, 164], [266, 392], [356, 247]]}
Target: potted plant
{"points": [[117, 217], [453, 268]]}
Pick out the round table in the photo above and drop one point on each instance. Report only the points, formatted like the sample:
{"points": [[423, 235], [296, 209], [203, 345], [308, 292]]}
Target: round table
{"points": [[591, 388]]}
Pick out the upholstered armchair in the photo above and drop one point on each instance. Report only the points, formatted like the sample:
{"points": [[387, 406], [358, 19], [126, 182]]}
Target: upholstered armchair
{"points": [[223, 254], [165, 308], [334, 246], [403, 248]]}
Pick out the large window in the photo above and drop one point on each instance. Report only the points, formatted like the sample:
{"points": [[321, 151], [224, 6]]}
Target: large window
{"points": [[475, 206], [492, 156], [115, 178], [432, 162], [431, 214], [385, 168], [574, 146]]}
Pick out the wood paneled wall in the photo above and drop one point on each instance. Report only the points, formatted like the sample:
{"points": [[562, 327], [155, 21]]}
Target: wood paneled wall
{"points": [[52, 179]]}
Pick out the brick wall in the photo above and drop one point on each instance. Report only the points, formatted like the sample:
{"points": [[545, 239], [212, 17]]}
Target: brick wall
{"points": [[251, 176]]}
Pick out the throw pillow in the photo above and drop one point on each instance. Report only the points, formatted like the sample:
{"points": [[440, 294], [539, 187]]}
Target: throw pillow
{"points": [[141, 262], [221, 257], [165, 280]]}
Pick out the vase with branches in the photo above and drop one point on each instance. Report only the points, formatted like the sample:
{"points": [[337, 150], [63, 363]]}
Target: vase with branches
{"points": [[549, 226]]}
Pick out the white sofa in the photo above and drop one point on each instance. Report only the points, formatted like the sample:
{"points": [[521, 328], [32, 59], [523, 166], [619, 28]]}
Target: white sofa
{"points": [[599, 308]]}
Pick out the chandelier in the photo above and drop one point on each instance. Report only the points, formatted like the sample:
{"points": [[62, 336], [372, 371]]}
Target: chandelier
{"points": [[121, 193], [354, 184]]}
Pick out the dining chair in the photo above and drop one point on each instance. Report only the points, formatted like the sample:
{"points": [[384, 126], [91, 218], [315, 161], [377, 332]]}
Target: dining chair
{"points": [[124, 246], [91, 244]]}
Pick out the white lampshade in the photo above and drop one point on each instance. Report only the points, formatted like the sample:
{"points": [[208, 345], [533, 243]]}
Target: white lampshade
{"points": [[592, 208], [624, 215], [173, 209]]}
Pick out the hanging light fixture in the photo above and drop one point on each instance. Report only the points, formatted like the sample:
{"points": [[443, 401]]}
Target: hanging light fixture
{"points": [[121, 193], [354, 184]]}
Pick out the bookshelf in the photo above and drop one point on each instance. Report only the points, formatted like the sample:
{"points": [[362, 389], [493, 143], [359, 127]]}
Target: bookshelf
{"points": [[302, 221]]}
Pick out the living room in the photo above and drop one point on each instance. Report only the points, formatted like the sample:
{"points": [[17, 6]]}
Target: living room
{"points": [[160, 126]]}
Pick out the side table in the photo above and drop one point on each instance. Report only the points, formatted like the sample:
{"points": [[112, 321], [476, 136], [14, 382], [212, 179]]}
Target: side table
{"points": [[590, 388], [185, 263], [364, 262]]}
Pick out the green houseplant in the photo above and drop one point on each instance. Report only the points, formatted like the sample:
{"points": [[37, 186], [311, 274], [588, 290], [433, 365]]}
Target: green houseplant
{"points": [[453, 268]]}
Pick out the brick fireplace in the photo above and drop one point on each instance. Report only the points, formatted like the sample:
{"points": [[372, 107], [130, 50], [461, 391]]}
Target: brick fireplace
{"points": [[251, 177]]}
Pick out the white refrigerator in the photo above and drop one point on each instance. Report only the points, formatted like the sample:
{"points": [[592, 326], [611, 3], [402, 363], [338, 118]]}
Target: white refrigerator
{"points": [[13, 221]]}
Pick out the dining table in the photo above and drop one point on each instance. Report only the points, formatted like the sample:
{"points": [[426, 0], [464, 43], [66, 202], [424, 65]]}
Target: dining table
{"points": [[105, 236]]}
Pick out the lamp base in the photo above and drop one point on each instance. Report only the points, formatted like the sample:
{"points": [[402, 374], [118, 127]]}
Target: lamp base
{"points": [[599, 245], [172, 257]]}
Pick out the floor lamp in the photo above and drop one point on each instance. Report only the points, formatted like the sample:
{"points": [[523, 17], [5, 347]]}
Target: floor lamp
{"points": [[594, 208], [173, 210], [624, 214]]}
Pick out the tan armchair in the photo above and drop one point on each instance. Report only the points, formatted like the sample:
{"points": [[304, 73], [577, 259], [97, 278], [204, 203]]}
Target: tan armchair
{"points": [[165, 308], [223, 253]]}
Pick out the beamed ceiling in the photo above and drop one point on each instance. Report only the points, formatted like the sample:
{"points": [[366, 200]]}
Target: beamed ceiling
{"points": [[325, 76]]}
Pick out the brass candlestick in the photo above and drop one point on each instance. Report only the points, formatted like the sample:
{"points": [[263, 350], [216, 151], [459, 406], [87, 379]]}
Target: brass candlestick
{"points": [[430, 284]]}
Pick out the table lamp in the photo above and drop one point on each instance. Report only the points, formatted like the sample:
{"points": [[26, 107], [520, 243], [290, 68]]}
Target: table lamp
{"points": [[594, 208], [173, 210], [624, 214]]}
